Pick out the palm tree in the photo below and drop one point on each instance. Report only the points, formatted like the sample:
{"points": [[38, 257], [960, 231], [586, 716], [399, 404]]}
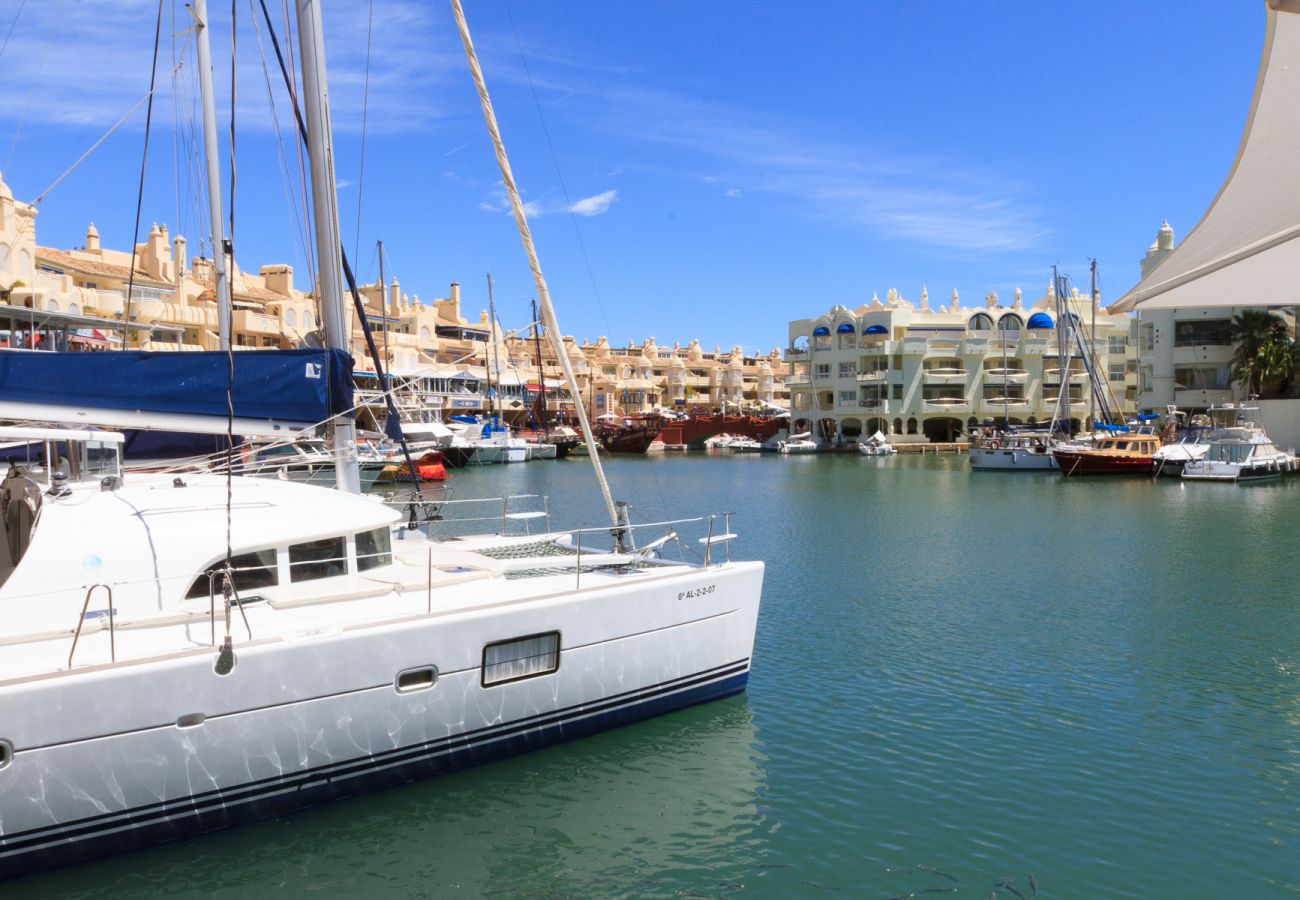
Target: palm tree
{"points": [[1259, 336]]}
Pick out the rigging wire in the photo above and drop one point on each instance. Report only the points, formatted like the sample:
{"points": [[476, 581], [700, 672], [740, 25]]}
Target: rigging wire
{"points": [[144, 161], [559, 174], [291, 198], [365, 114], [228, 252], [82, 158], [31, 90], [12, 25]]}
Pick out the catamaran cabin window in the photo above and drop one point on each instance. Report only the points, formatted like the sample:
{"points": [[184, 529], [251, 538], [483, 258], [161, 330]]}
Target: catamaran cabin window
{"points": [[374, 548], [251, 571], [318, 559], [519, 658]]}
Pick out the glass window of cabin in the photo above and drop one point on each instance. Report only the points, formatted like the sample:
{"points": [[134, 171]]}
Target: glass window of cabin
{"points": [[251, 571], [519, 658], [1205, 333], [374, 549], [318, 559]]}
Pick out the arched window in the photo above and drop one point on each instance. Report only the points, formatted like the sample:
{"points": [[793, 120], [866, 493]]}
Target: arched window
{"points": [[981, 322], [898, 426], [875, 329], [821, 331], [291, 318], [911, 426], [52, 305], [1009, 322], [845, 328], [74, 309]]}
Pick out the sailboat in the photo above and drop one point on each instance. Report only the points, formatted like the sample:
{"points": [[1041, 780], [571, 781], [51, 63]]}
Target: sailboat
{"points": [[186, 652]]}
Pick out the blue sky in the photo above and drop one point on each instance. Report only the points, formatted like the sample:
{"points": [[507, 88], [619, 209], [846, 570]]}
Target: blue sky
{"points": [[705, 170]]}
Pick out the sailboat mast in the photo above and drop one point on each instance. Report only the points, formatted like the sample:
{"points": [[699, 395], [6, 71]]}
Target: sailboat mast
{"points": [[541, 374], [199, 9], [383, 306], [497, 408], [320, 152], [1092, 297], [549, 321]]}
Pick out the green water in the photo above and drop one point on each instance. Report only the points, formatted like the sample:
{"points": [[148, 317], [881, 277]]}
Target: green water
{"points": [[985, 674]]}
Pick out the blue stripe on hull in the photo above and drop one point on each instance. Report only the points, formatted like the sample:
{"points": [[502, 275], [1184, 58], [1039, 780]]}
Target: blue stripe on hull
{"points": [[132, 829]]}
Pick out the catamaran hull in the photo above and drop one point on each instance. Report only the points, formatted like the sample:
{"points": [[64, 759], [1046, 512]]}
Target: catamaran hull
{"points": [[115, 758]]}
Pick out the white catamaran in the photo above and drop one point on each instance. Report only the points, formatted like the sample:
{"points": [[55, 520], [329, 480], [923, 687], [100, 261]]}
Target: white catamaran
{"points": [[183, 653]]}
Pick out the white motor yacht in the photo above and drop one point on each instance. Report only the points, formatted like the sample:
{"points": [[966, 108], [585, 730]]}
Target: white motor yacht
{"points": [[797, 444], [1250, 456]]}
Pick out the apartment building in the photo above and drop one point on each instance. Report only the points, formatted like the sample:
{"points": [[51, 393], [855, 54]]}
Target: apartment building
{"points": [[921, 374]]}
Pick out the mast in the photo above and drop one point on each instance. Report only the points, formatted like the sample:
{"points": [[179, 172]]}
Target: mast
{"points": [[1006, 398], [496, 360], [199, 10], [541, 373], [525, 234], [1092, 296], [383, 305], [320, 152]]}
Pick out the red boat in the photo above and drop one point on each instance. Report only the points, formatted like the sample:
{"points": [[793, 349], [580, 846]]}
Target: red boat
{"points": [[429, 467], [1110, 454], [697, 429]]}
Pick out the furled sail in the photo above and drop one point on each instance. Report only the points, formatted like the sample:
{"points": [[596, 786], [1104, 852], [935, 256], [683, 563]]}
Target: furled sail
{"points": [[274, 390], [1245, 251]]}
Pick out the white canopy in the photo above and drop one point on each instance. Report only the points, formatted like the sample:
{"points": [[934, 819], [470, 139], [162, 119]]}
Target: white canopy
{"points": [[1245, 251]]}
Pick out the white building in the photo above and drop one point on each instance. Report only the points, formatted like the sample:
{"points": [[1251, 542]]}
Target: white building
{"points": [[921, 374]]}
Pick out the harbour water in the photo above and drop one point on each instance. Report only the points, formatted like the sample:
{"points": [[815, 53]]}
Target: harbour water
{"points": [[960, 678]]}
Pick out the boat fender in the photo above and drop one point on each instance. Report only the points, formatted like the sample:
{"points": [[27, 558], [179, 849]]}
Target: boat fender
{"points": [[993, 444]]}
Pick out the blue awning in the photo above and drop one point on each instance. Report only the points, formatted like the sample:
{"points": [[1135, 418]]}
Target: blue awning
{"points": [[821, 330], [845, 328], [875, 329], [1040, 320]]}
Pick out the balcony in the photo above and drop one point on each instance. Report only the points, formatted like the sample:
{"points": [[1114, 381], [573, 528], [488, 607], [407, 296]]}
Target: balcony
{"points": [[1192, 398], [946, 404], [944, 376], [876, 405], [1077, 376], [996, 403], [796, 353], [875, 376], [1006, 376], [249, 322]]}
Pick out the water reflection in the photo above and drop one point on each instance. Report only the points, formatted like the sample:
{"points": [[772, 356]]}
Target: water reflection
{"points": [[645, 809]]}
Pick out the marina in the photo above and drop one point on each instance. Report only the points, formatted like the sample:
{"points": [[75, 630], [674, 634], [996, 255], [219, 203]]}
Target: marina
{"points": [[1046, 712], [335, 589]]}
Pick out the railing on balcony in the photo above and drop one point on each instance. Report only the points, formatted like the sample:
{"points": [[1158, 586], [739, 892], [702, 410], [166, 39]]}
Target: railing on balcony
{"points": [[874, 375]]}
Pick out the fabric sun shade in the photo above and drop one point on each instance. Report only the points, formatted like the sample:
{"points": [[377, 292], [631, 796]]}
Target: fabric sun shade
{"points": [[1245, 251]]}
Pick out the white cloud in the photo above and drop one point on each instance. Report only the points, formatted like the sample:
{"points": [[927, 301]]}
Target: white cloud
{"points": [[595, 205], [85, 63], [731, 192]]}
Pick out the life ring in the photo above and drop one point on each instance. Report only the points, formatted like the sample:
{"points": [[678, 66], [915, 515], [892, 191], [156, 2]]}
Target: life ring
{"points": [[993, 444]]}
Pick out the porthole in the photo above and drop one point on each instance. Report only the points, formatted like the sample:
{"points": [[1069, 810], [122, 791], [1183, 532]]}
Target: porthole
{"points": [[190, 720], [6, 754], [420, 678]]}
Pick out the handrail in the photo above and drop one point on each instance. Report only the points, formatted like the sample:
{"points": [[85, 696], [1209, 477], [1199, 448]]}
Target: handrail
{"points": [[112, 638]]}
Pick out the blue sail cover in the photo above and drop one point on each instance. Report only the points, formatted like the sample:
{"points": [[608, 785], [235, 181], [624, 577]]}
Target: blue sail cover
{"points": [[298, 386]]}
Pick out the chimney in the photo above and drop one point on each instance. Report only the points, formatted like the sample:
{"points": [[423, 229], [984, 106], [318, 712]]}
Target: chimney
{"points": [[394, 298], [278, 278], [92, 238]]}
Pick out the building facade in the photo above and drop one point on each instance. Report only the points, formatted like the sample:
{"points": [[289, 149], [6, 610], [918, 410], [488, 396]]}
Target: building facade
{"points": [[920, 374]]}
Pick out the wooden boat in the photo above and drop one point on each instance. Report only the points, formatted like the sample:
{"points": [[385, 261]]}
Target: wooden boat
{"points": [[1121, 453], [631, 435]]}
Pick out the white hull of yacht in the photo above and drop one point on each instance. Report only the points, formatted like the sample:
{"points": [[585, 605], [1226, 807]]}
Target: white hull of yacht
{"points": [[122, 755], [1010, 459]]}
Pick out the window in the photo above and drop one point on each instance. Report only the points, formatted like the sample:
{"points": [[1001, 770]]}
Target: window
{"points": [[1203, 378], [848, 396], [942, 392], [252, 570], [1117, 343], [318, 559], [1208, 333], [848, 369], [997, 392], [374, 548], [898, 392], [1117, 371], [823, 370], [519, 658]]}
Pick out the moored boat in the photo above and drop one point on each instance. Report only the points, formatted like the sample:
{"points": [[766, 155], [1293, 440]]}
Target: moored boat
{"points": [[1012, 451], [1114, 453]]}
